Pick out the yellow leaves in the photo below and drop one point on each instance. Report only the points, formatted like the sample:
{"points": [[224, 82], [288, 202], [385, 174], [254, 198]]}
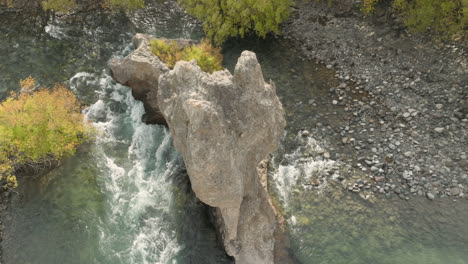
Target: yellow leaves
{"points": [[28, 84], [37, 125], [11, 182]]}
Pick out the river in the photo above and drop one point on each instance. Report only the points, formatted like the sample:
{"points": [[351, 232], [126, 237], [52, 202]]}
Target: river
{"points": [[126, 197]]}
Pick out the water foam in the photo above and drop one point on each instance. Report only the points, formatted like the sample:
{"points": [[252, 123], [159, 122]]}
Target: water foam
{"points": [[137, 226], [299, 168]]}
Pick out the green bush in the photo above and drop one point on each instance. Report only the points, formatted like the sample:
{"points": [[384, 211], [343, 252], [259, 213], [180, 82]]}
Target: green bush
{"points": [[208, 57], [227, 18], [167, 50], [446, 17]]}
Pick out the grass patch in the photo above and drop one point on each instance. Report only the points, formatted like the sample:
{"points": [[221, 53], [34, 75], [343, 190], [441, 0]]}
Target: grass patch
{"points": [[208, 57]]}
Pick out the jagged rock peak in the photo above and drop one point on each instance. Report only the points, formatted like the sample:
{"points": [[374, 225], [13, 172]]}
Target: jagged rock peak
{"points": [[224, 125]]}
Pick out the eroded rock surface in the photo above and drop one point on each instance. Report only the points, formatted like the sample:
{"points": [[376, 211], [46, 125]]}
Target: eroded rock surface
{"points": [[141, 70], [225, 125]]}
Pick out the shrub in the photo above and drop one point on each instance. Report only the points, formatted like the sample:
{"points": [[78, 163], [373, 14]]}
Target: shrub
{"points": [[446, 17], [208, 57], [167, 50], [38, 126], [226, 18], [66, 5]]}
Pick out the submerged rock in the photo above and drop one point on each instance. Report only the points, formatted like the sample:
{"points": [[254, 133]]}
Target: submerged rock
{"points": [[224, 125]]}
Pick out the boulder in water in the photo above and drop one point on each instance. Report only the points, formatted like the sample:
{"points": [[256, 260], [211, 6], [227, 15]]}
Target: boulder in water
{"points": [[224, 125]]}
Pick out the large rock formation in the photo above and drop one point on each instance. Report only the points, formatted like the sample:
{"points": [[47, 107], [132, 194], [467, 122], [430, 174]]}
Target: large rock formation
{"points": [[141, 70], [224, 125]]}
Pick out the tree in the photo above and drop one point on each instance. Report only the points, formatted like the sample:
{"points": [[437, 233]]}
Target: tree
{"points": [[37, 127], [226, 18]]}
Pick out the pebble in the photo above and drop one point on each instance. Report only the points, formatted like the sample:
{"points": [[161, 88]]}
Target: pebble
{"points": [[455, 191], [439, 129], [379, 178], [439, 106], [430, 196]]}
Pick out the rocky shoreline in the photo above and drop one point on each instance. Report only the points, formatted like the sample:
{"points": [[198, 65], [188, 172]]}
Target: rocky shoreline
{"points": [[405, 97]]}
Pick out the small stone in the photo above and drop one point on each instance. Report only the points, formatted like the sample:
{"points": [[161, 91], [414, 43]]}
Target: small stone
{"points": [[455, 191], [379, 178], [334, 102], [329, 66], [439, 129], [326, 155], [407, 174], [406, 115], [430, 196], [439, 106], [408, 154]]}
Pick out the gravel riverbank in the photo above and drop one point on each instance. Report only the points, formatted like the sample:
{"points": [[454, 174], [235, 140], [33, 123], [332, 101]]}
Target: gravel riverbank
{"points": [[405, 97]]}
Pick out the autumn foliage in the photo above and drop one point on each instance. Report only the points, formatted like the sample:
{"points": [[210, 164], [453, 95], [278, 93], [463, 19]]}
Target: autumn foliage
{"points": [[38, 126]]}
